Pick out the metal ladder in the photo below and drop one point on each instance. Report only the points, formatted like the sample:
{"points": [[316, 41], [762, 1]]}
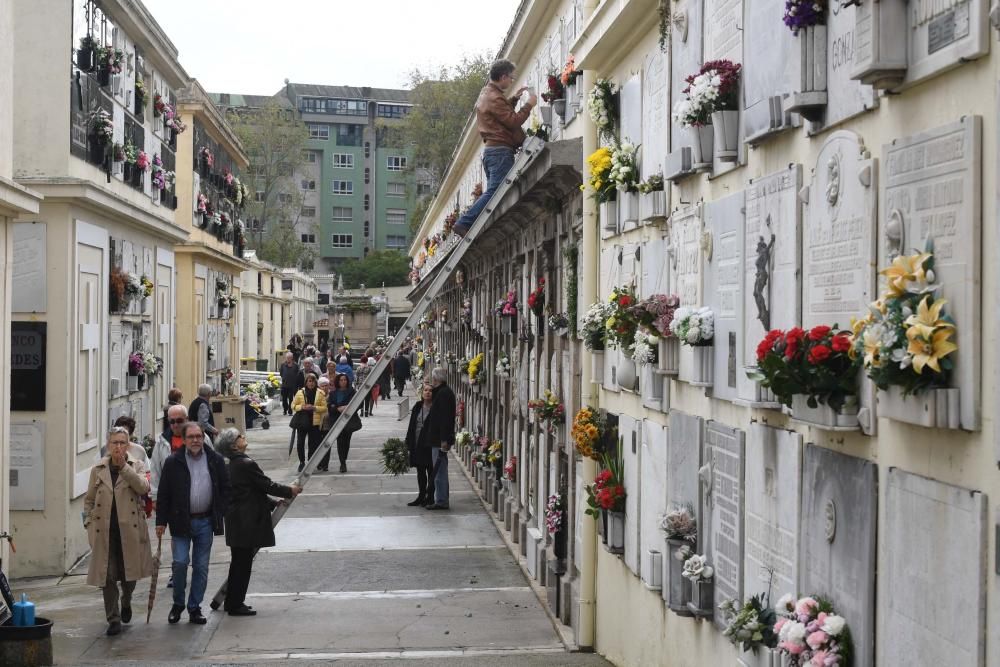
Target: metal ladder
{"points": [[529, 151]]}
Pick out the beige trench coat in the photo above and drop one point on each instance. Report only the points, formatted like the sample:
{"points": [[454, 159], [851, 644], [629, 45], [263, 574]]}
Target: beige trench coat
{"points": [[127, 492]]}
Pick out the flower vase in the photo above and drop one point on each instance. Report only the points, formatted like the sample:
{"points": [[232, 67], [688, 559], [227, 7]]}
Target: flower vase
{"points": [[559, 106], [669, 355], [103, 75], [616, 532], [726, 127], [701, 146], [763, 657], [823, 416], [628, 208], [932, 408], [164, 196], [597, 366], [173, 138], [702, 602], [559, 541], [132, 382], [653, 206], [809, 100], [546, 113], [139, 110], [609, 215], [626, 374], [97, 148], [700, 369], [676, 587], [85, 59], [136, 177]]}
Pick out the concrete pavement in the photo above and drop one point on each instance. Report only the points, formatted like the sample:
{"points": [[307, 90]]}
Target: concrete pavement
{"points": [[356, 577]]}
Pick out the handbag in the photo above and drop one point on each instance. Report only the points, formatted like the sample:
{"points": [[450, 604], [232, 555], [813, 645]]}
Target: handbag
{"points": [[353, 424], [300, 420]]}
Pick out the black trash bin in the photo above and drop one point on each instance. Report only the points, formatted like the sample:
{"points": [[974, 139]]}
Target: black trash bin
{"points": [[26, 646]]}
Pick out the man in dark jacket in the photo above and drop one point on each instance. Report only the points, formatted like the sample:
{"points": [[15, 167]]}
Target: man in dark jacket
{"points": [[401, 370], [289, 372], [440, 435], [191, 499], [201, 411]]}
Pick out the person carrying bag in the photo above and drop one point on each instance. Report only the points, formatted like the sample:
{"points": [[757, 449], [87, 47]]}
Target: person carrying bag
{"points": [[308, 406], [340, 397]]}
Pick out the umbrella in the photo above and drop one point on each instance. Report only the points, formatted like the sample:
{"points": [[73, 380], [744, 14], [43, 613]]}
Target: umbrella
{"points": [[152, 579], [291, 443]]}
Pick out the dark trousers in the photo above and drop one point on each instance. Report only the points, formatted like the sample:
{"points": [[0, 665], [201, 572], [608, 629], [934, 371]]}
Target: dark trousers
{"points": [[305, 435], [239, 577], [425, 483], [314, 445], [400, 383], [287, 394], [343, 447], [366, 409]]}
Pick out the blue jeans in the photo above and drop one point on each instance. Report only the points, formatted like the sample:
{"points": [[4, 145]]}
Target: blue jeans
{"points": [[497, 161], [440, 461], [201, 541]]}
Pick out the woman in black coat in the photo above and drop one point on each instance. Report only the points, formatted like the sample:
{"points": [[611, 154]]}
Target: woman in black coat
{"points": [[248, 516], [336, 403], [420, 451]]}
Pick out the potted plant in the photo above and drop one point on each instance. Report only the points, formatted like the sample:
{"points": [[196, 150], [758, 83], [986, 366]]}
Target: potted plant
{"points": [[625, 174], [711, 112], [142, 164], [549, 411], [536, 301], [602, 187], [109, 61], [695, 328], [101, 131], [136, 377], [568, 77], [555, 525], [652, 199], [594, 334], [906, 343], [807, 21], [812, 373], [702, 578], [657, 312], [750, 628], [205, 161], [620, 327], [680, 529], [606, 497], [507, 308], [85, 54], [808, 628], [555, 94]]}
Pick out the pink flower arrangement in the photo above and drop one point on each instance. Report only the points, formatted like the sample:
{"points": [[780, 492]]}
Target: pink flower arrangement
{"points": [[202, 203], [554, 513], [509, 308], [142, 161], [810, 633], [510, 469], [229, 177]]}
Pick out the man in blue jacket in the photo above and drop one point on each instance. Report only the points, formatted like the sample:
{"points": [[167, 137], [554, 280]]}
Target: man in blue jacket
{"points": [[191, 499]]}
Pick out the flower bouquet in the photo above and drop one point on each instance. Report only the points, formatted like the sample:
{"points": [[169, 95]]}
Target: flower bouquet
{"points": [[558, 322], [712, 100], [600, 183], [681, 531], [556, 89], [151, 364], [549, 410], [135, 364], [695, 327], [680, 524], [474, 367], [147, 286], [159, 105], [602, 108], [555, 510], [645, 347], [801, 14], [606, 497], [906, 343], [536, 300], [134, 289], [810, 633], [395, 457], [503, 366], [702, 577], [594, 330], [508, 306], [569, 73], [624, 169], [621, 324], [510, 469], [588, 431], [749, 626]]}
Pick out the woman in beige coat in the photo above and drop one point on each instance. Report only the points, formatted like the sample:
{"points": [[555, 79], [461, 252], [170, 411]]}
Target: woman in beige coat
{"points": [[116, 526]]}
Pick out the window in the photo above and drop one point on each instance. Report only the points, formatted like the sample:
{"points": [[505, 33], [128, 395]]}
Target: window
{"points": [[343, 241], [367, 228], [343, 187], [396, 242], [332, 105], [368, 175], [343, 161], [349, 135], [367, 202], [395, 189], [306, 238], [318, 131], [309, 156], [395, 216], [259, 196], [285, 198], [308, 185], [308, 211], [423, 189], [323, 299], [395, 163], [392, 110], [343, 214]]}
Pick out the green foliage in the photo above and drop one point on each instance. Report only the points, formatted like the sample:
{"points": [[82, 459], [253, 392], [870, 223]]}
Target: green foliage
{"points": [[419, 211], [571, 254], [381, 266], [283, 247], [814, 362], [752, 625], [395, 457], [443, 102]]}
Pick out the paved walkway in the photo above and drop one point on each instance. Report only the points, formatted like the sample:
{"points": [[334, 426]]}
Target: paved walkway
{"points": [[356, 577]]}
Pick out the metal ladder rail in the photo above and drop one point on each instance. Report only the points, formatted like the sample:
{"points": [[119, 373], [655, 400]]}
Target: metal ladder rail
{"points": [[532, 147]]}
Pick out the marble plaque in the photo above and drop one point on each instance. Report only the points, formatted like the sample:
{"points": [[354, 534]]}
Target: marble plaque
{"points": [[942, 35], [837, 540], [655, 116], [722, 507], [935, 544], [838, 239], [631, 111], [652, 490], [684, 254], [27, 465], [610, 277], [767, 72], [724, 30], [685, 59], [773, 487], [846, 97], [771, 295], [724, 271], [654, 276], [629, 434], [932, 188], [28, 288], [683, 460]]}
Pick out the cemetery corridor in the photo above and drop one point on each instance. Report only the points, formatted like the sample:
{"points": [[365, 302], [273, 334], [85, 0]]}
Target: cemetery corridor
{"points": [[356, 577]]}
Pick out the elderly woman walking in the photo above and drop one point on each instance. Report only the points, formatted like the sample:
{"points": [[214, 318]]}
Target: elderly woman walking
{"points": [[248, 516], [312, 401], [116, 527], [420, 450]]}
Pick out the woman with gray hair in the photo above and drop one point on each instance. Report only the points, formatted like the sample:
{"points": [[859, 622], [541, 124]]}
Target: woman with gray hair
{"points": [[248, 516]]}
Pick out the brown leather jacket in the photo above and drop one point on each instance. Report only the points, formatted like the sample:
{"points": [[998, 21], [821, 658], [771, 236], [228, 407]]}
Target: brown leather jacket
{"points": [[499, 124]]}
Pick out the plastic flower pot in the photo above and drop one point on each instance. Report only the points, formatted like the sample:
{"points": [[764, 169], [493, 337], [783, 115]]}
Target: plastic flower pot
{"points": [[628, 207], [726, 126], [701, 140], [597, 366], [609, 215], [103, 76], [626, 374], [669, 355], [85, 59], [616, 532], [559, 106], [676, 588], [653, 206], [823, 416], [559, 540], [97, 148], [933, 408], [546, 113]]}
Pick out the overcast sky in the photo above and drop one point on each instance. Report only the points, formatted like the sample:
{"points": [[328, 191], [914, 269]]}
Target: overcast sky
{"points": [[252, 46]]}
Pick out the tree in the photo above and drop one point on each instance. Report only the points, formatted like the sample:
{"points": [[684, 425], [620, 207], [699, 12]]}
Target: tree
{"points": [[275, 140], [441, 108], [419, 211], [381, 266]]}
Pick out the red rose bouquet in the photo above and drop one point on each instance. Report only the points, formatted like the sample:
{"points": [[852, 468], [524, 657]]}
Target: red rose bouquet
{"points": [[607, 493], [536, 300]]}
